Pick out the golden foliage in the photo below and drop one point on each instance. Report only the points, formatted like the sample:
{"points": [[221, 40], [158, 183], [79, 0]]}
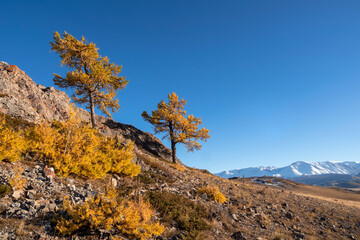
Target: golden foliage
{"points": [[95, 79], [17, 182], [171, 119], [213, 192], [12, 143], [179, 167], [74, 147], [129, 218]]}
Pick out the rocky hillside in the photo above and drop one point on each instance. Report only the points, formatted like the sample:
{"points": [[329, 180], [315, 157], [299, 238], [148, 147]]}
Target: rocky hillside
{"points": [[184, 198], [21, 97]]}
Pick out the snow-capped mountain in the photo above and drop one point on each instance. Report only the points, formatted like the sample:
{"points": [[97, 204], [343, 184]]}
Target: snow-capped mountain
{"points": [[296, 169]]}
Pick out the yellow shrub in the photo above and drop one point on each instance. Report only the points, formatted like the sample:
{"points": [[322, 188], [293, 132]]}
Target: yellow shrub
{"points": [[74, 147], [12, 144], [213, 192], [129, 218], [17, 182], [179, 167]]}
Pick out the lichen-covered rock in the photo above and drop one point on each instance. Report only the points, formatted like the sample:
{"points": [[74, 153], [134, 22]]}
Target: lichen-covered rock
{"points": [[23, 98]]}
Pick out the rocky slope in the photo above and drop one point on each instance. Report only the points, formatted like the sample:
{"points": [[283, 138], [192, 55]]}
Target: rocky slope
{"points": [[21, 97]]}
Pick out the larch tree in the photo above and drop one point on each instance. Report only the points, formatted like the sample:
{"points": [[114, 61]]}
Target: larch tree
{"points": [[170, 118], [94, 79]]}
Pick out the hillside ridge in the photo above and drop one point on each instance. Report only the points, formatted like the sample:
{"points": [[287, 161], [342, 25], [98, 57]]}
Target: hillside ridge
{"points": [[21, 97]]}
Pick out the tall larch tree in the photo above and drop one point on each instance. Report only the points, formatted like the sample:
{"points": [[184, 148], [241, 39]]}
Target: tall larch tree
{"points": [[170, 118], [94, 79]]}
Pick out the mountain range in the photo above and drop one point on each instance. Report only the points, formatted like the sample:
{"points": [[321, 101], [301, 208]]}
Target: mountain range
{"points": [[296, 170]]}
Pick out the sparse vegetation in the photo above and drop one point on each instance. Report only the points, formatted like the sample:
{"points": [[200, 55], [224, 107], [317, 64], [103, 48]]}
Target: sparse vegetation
{"points": [[178, 167], [213, 192], [189, 216], [4, 190]]}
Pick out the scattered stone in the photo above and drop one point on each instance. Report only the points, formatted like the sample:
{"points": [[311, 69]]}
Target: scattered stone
{"points": [[87, 186], [299, 235], [289, 215], [238, 236], [30, 194], [113, 182], [204, 196], [52, 207], [17, 194]]}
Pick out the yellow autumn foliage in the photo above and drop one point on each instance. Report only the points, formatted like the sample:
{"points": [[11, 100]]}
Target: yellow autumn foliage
{"points": [[74, 147], [12, 143], [178, 167], [107, 211], [17, 182], [93, 77], [213, 192], [171, 118]]}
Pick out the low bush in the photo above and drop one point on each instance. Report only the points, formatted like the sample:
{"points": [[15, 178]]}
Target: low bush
{"points": [[132, 219], [213, 192], [4, 190], [189, 216], [74, 147], [15, 123], [12, 143], [17, 182], [71, 147], [145, 177], [178, 167]]}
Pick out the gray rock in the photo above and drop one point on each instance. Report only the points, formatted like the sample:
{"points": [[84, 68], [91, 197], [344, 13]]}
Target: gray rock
{"points": [[113, 182], [52, 207], [72, 187], [17, 194], [30, 194], [204, 196], [238, 236], [87, 186], [289, 215]]}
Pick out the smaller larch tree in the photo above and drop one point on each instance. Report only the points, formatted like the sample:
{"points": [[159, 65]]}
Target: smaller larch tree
{"points": [[170, 118], [94, 79]]}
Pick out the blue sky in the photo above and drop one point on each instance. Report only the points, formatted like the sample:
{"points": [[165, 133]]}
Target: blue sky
{"points": [[274, 81]]}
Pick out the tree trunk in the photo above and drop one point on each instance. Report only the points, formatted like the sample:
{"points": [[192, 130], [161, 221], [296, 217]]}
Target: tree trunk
{"points": [[92, 111], [173, 147], [173, 151]]}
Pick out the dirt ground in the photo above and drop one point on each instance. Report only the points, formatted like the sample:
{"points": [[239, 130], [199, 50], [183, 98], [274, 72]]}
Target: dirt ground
{"points": [[336, 195]]}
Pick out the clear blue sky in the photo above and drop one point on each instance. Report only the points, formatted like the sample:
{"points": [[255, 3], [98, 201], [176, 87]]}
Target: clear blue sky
{"points": [[274, 81]]}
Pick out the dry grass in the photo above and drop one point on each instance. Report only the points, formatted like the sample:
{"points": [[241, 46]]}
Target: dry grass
{"points": [[246, 200], [20, 228], [178, 167]]}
